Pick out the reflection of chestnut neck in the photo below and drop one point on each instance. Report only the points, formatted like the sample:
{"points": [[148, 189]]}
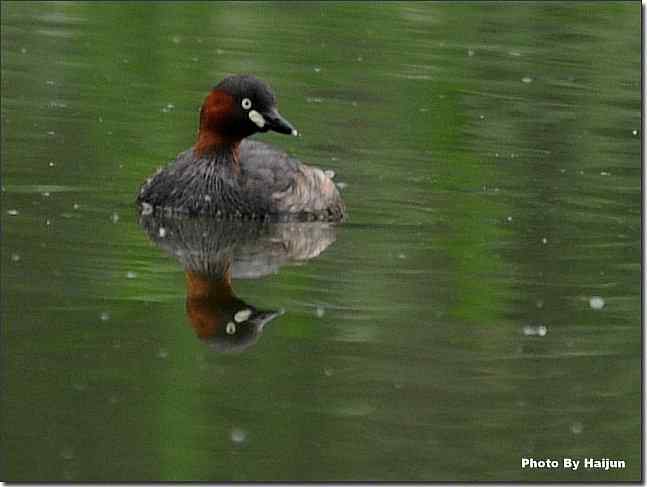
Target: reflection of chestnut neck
{"points": [[202, 286], [207, 301]]}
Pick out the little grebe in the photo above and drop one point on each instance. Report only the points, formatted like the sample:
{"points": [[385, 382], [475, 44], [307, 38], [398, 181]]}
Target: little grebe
{"points": [[224, 176]]}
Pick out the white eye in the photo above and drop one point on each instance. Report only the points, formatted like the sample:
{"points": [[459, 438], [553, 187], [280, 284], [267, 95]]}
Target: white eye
{"points": [[247, 103], [230, 328]]}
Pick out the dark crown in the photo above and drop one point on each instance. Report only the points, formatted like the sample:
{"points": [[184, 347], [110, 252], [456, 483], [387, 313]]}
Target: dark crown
{"points": [[248, 86]]}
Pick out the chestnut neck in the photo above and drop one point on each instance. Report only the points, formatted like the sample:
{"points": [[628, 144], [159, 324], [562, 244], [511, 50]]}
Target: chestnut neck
{"points": [[213, 137], [210, 143]]}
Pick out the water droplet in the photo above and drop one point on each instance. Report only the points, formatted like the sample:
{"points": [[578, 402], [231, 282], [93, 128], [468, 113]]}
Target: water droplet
{"points": [[104, 316], [147, 209], [596, 302], [238, 436], [12, 212], [131, 275], [57, 104], [576, 428], [530, 330], [67, 453]]}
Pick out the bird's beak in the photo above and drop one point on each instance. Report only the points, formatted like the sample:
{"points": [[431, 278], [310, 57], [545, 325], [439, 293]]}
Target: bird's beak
{"points": [[277, 123], [266, 316]]}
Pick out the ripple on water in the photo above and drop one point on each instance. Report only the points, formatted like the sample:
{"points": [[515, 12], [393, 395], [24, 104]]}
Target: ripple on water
{"points": [[44, 188]]}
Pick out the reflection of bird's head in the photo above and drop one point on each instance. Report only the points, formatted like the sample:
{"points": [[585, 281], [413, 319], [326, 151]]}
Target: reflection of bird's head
{"points": [[226, 322]]}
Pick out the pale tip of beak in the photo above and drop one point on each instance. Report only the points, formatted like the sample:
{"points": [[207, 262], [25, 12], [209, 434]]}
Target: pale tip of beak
{"points": [[295, 132]]}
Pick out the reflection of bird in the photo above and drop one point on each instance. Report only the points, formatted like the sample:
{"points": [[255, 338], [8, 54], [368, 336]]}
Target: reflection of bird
{"points": [[224, 176], [213, 251]]}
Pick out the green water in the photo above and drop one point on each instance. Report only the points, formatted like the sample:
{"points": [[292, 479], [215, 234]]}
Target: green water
{"points": [[481, 304]]}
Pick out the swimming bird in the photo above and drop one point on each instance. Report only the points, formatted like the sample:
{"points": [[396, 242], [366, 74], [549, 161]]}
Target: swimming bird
{"points": [[226, 175]]}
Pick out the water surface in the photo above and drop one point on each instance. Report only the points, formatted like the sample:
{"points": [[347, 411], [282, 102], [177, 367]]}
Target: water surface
{"points": [[481, 304]]}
